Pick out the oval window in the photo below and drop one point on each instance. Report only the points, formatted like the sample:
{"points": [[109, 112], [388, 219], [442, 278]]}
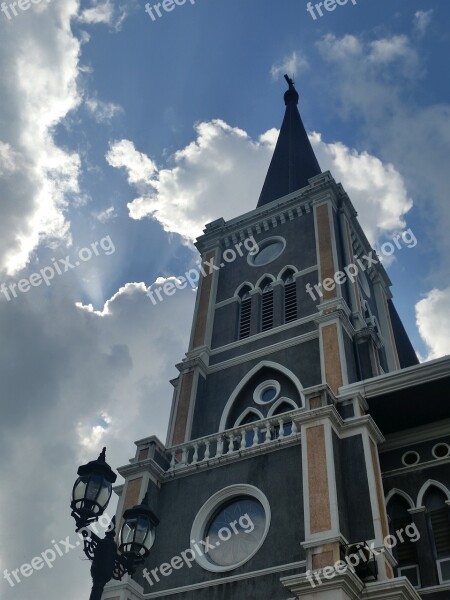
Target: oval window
{"points": [[269, 250]]}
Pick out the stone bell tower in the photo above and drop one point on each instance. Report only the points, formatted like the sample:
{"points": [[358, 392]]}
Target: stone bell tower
{"points": [[270, 422]]}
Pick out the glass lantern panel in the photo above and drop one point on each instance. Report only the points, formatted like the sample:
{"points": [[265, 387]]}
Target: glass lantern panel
{"points": [[94, 487], [142, 528], [105, 494], [128, 530], [79, 489], [150, 539]]}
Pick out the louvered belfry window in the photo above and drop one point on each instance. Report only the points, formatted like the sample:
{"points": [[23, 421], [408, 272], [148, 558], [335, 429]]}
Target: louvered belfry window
{"points": [[245, 313], [267, 308], [439, 519], [290, 299], [440, 523], [399, 520]]}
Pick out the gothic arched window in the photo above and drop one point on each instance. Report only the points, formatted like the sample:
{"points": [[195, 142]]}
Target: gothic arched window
{"points": [[245, 312], [290, 296], [400, 519], [266, 305], [439, 524]]}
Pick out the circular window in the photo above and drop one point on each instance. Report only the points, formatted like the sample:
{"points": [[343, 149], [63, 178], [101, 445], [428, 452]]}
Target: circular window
{"points": [[269, 250], [266, 392], [441, 451], [410, 458], [233, 525], [235, 531]]}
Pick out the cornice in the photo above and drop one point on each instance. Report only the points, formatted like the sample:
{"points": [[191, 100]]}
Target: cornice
{"points": [[321, 188], [416, 435], [401, 379]]}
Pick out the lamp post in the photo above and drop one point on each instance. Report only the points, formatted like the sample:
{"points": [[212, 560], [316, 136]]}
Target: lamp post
{"points": [[90, 497]]}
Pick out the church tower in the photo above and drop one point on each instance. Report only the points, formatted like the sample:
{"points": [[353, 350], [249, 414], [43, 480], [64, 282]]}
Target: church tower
{"points": [[271, 472]]}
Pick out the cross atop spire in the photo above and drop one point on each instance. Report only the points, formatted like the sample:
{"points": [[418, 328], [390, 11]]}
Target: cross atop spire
{"points": [[293, 161]]}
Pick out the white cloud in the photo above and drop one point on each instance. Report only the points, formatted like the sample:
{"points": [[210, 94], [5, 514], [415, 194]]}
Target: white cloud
{"points": [[422, 20], [74, 381], [398, 47], [376, 189], [140, 167], [225, 163], [102, 111], [290, 65], [433, 322], [414, 138], [39, 58], [103, 12], [106, 215]]}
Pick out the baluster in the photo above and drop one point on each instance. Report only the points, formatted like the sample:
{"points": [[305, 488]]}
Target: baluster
{"points": [[230, 443], [195, 456], [281, 432], [268, 429], [172, 461], [294, 428], [219, 446], [243, 439], [184, 456], [206, 457], [255, 436]]}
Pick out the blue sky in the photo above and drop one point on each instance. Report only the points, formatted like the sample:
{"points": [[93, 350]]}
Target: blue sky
{"points": [[114, 126]]}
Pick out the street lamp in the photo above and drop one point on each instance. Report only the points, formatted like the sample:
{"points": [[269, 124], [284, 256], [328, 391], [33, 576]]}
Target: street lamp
{"points": [[90, 497]]}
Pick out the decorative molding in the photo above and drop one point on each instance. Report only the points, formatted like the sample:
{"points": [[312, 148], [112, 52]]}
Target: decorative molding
{"points": [[410, 437], [399, 380], [261, 335], [248, 376], [404, 495], [296, 204], [419, 467], [279, 402], [426, 486], [224, 580], [249, 411], [261, 352]]}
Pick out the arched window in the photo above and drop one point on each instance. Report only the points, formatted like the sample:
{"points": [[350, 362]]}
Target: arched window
{"points": [[248, 417], [283, 407], [439, 524], [290, 296], [400, 519], [245, 312], [266, 305]]}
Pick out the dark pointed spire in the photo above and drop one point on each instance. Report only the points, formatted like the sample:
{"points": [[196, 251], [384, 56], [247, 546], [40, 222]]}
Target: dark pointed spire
{"points": [[293, 161]]}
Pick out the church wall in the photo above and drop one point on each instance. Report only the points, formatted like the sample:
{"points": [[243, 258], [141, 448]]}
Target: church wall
{"points": [[393, 459], [303, 360], [350, 358], [355, 512], [411, 481], [262, 342], [266, 586], [276, 474], [302, 255]]}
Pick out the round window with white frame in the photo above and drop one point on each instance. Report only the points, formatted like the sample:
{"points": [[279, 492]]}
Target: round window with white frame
{"points": [[410, 458], [441, 450], [233, 524], [267, 392]]}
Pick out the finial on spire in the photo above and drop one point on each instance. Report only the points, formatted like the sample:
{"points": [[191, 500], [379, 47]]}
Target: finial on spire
{"points": [[291, 96]]}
